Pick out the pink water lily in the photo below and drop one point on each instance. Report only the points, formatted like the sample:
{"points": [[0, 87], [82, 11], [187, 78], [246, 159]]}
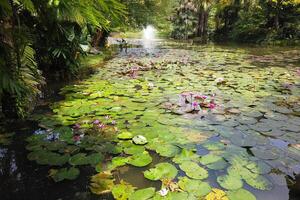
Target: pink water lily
{"points": [[101, 126], [113, 122], [212, 105], [76, 126], [76, 138], [298, 72], [96, 122], [107, 117], [195, 104]]}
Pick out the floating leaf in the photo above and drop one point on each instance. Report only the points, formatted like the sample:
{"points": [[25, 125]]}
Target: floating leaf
{"points": [[216, 194], [240, 194], [167, 150], [209, 159], [43, 157], [139, 139], [140, 160], [118, 162], [195, 187], [193, 170], [134, 149], [64, 173], [143, 194], [185, 155], [230, 182], [125, 135], [79, 159], [122, 191], [259, 182], [161, 171], [259, 167], [102, 183], [265, 153]]}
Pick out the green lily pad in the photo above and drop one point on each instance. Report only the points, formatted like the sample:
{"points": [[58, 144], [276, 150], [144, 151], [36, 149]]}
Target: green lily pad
{"points": [[122, 191], [240, 194], [64, 174], [259, 182], [230, 182], [193, 170], [125, 135], [167, 150], [259, 167], [43, 157], [95, 158], [143, 194], [140, 160], [173, 196], [79, 159], [185, 155], [139, 139], [195, 187], [209, 159], [118, 162], [214, 146], [161, 171], [221, 164], [134, 149]]}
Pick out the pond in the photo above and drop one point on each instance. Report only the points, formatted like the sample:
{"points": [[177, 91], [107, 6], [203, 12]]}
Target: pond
{"points": [[178, 121]]}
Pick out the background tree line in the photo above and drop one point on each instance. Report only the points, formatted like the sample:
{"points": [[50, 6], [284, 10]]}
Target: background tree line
{"points": [[238, 20]]}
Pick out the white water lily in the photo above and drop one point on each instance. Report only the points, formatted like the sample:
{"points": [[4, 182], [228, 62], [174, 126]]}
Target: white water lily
{"points": [[163, 192]]}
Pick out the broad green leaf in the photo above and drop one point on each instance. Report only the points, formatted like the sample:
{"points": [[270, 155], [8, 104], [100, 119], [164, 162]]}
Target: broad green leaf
{"points": [[161, 171]]}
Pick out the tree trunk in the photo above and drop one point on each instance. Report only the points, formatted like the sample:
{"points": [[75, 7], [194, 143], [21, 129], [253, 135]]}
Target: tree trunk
{"points": [[276, 21], [97, 38]]}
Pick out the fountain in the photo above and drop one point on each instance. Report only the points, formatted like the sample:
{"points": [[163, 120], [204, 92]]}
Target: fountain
{"points": [[148, 39]]}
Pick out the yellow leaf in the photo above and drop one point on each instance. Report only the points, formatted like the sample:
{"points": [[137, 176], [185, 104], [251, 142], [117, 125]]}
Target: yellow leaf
{"points": [[216, 194]]}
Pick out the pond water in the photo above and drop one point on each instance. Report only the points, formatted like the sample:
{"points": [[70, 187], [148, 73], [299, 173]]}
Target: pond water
{"points": [[207, 117]]}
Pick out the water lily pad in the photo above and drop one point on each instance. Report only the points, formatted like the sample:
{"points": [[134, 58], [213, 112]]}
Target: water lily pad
{"points": [[143, 194], [193, 170], [139, 139], [102, 183], [167, 150], [195, 187], [122, 191], [43, 157], [209, 159], [230, 182], [140, 160], [240, 194], [259, 167], [214, 146], [134, 149], [79, 159], [125, 135], [185, 155], [221, 164], [118, 162], [64, 174], [216, 194], [265, 153], [161, 171], [259, 182]]}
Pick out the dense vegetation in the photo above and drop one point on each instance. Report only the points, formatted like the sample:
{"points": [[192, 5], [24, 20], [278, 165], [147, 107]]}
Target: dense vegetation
{"points": [[40, 39], [238, 20]]}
